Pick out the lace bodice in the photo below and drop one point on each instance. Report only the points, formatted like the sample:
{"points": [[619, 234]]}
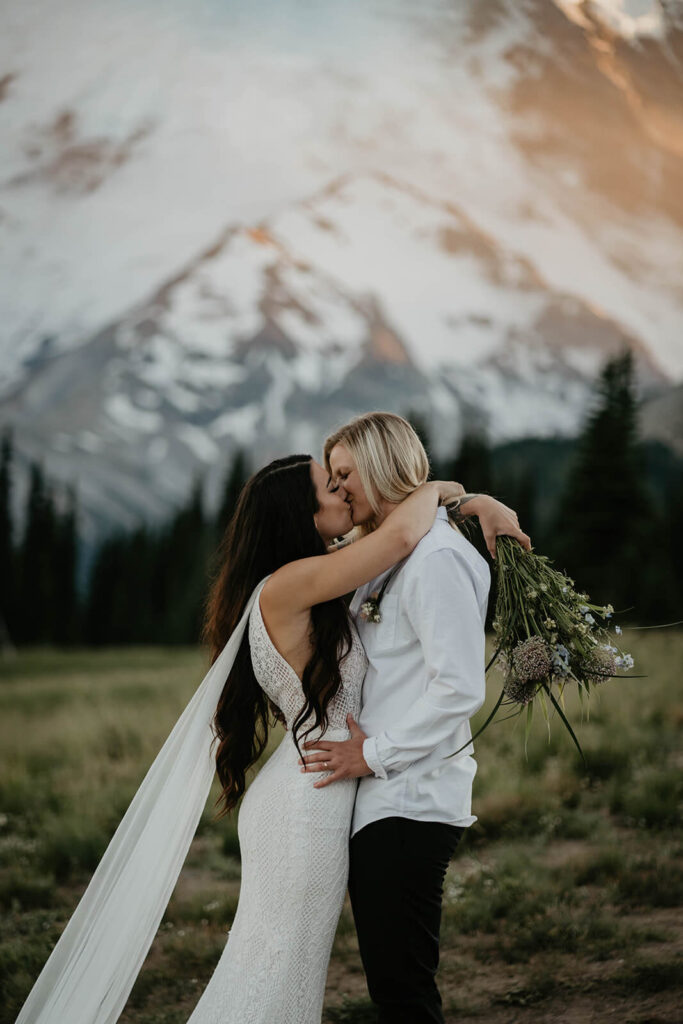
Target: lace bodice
{"points": [[281, 683], [294, 841]]}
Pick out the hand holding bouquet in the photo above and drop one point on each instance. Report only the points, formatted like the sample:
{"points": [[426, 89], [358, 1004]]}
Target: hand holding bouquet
{"points": [[548, 636]]}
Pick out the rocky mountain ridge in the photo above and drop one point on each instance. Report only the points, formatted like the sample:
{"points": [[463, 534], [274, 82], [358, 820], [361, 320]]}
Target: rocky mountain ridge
{"points": [[274, 335]]}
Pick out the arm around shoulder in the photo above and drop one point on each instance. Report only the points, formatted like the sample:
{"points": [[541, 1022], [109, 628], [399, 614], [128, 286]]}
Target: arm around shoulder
{"points": [[308, 581]]}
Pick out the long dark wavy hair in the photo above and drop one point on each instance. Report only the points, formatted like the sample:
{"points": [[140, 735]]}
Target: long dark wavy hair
{"points": [[272, 525]]}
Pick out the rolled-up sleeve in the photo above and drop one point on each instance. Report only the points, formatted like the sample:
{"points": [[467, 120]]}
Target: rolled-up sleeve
{"points": [[443, 599]]}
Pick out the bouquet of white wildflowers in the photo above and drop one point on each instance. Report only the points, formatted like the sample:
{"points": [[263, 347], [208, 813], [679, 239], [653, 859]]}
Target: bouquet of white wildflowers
{"points": [[548, 636]]}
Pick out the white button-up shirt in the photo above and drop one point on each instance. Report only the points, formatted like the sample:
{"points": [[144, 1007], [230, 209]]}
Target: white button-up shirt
{"points": [[424, 681]]}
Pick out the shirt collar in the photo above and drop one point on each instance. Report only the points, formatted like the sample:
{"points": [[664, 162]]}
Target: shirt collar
{"points": [[441, 513]]}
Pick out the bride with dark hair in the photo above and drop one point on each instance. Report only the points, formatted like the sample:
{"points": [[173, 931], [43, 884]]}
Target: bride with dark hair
{"points": [[302, 660]]}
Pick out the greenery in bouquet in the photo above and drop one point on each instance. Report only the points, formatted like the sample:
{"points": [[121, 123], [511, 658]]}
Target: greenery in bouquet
{"points": [[548, 636]]}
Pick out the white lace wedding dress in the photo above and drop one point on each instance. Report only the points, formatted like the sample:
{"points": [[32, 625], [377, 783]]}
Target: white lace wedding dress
{"points": [[294, 845]]}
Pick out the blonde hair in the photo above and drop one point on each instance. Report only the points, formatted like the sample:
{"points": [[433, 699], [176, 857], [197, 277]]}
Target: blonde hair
{"points": [[388, 454]]}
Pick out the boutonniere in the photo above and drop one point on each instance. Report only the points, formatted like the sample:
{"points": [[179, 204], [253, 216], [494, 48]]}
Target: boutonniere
{"points": [[369, 610]]}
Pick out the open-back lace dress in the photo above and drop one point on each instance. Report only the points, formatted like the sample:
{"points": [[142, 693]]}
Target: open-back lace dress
{"points": [[294, 846]]}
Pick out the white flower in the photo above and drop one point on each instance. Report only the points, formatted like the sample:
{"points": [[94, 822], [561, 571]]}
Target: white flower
{"points": [[617, 630], [565, 589], [589, 619], [583, 608], [369, 610], [608, 611]]}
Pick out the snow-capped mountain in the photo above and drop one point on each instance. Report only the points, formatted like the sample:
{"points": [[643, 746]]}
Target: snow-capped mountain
{"points": [[455, 209], [282, 330]]}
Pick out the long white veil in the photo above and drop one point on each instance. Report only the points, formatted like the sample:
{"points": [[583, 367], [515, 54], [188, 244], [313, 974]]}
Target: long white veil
{"points": [[91, 970]]}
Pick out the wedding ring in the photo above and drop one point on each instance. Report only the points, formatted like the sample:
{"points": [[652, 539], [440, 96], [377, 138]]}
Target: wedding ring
{"points": [[326, 764]]}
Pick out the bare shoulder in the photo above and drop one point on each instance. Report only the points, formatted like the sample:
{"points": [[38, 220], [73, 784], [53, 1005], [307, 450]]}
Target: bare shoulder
{"points": [[275, 594], [288, 626]]}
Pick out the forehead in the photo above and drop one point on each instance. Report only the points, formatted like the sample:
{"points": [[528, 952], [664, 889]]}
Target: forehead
{"points": [[317, 471], [340, 459]]}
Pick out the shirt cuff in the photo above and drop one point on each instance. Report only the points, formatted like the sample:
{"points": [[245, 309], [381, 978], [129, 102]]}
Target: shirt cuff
{"points": [[371, 757]]}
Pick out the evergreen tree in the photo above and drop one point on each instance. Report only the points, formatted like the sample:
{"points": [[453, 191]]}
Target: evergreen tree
{"points": [[472, 466], [148, 586], [673, 536], [606, 529], [235, 481], [188, 541], [529, 475], [141, 558], [65, 624], [8, 594], [419, 425], [36, 591], [107, 613], [520, 493]]}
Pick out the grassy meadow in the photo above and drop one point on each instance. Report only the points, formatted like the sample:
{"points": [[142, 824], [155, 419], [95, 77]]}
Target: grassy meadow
{"points": [[562, 903]]}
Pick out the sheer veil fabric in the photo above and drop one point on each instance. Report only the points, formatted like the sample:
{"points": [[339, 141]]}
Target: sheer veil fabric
{"points": [[92, 968]]}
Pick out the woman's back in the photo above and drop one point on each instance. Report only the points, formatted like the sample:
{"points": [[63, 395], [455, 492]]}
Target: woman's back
{"points": [[283, 686], [294, 846]]}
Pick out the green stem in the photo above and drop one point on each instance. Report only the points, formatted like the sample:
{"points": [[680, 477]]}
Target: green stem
{"points": [[566, 722], [480, 731]]}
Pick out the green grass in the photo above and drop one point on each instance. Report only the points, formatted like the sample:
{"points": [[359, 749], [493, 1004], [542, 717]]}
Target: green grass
{"points": [[567, 886]]}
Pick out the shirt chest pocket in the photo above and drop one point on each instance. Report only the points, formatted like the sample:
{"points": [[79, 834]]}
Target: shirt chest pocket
{"points": [[392, 632]]}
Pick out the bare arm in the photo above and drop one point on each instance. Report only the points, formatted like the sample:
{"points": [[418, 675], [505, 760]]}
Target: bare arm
{"points": [[442, 600], [495, 518], [299, 585]]}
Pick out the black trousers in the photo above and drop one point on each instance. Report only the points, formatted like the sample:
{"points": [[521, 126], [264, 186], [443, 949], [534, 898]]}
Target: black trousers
{"points": [[396, 885]]}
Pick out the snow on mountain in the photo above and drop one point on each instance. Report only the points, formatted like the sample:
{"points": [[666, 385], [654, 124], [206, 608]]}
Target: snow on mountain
{"points": [[661, 419], [272, 336], [632, 19], [505, 212], [131, 131]]}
